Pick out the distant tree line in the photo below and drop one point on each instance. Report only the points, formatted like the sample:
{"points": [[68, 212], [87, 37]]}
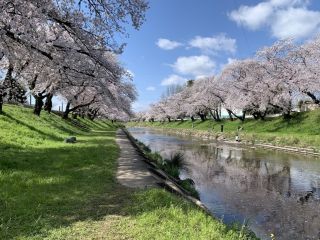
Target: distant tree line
{"points": [[271, 82]]}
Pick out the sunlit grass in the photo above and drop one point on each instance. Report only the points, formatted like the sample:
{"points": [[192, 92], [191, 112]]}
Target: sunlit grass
{"points": [[54, 190]]}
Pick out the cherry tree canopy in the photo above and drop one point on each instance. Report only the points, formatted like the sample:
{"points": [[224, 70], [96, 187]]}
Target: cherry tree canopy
{"points": [[69, 48]]}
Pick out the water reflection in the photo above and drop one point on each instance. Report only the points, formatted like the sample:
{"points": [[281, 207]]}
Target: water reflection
{"points": [[278, 192]]}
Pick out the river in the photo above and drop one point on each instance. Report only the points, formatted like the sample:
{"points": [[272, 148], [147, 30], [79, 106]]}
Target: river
{"points": [[276, 192]]}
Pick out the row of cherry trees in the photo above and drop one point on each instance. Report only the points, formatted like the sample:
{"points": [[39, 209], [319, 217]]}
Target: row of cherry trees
{"points": [[271, 82], [69, 49]]}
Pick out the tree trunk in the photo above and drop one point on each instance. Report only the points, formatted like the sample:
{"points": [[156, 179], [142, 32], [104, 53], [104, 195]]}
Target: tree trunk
{"points": [[255, 115], [192, 118], [263, 115], [89, 114], [67, 111], [287, 115], [202, 116], [230, 114], [48, 103], [242, 118], [287, 112], [92, 114], [38, 104], [8, 82], [1, 103], [217, 115], [214, 115], [313, 97]]}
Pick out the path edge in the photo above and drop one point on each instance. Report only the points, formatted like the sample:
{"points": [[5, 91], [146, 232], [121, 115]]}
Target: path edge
{"points": [[168, 182]]}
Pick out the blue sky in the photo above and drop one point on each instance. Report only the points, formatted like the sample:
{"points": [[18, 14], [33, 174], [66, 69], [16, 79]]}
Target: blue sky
{"points": [[187, 39]]}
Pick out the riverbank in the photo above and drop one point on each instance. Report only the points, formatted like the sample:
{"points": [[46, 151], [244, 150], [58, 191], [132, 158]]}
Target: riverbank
{"points": [[54, 190], [302, 131]]}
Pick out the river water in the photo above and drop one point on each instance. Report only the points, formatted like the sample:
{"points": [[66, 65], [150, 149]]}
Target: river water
{"points": [[267, 188]]}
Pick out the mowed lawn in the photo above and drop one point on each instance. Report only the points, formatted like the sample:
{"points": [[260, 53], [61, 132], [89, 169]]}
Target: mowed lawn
{"points": [[53, 190], [302, 130]]}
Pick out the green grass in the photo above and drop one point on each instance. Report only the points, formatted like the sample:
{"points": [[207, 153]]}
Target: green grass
{"points": [[54, 190], [171, 166], [302, 130]]}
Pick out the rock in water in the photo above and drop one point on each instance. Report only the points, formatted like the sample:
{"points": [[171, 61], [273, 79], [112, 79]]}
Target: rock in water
{"points": [[71, 139]]}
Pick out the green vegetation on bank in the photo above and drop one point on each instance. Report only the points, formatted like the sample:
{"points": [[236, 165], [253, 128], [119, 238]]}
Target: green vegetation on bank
{"points": [[171, 166], [302, 130], [54, 190]]}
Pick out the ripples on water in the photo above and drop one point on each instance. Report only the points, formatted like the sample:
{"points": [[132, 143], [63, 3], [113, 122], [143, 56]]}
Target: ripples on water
{"points": [[269, 188]]}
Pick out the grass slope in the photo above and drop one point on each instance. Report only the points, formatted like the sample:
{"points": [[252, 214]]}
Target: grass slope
{"points": [[54, 190], [302, 130]]}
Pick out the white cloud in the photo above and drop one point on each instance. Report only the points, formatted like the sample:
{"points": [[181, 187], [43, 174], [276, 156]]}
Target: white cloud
{"points": [[195, 66], [151, 88], [289, 3], [167, 44], [284, 18], [173, 80], [252, 17], [214, 44], [295, 22]]}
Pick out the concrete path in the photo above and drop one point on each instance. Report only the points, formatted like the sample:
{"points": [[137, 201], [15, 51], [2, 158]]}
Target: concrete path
{"points": [[132, 170]]}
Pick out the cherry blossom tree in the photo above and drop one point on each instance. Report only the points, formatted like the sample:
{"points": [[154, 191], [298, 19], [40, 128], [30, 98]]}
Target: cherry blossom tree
{"points": [[244, 87], [308, 58], [282, 74], [53, 45], [10, 89], [202, 100], [90, 25]]}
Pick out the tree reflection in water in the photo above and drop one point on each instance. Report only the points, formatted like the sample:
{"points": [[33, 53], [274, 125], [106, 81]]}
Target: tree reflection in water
{"points": [[263, 186]]}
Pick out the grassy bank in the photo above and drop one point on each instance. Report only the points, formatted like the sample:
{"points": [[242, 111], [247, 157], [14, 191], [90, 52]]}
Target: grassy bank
{"points": [[171, 166], [302, 130], [54, 190]]}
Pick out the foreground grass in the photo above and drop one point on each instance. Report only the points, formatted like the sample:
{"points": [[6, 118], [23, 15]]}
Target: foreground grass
{"points": [[302, 130], [54, 190]]}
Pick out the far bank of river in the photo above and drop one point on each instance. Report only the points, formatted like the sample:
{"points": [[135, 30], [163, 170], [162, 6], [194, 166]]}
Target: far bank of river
{"points": [[267, 188], [306, 143]]}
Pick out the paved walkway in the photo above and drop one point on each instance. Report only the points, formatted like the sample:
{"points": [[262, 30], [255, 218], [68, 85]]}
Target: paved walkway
{"points": [[132, 170]]}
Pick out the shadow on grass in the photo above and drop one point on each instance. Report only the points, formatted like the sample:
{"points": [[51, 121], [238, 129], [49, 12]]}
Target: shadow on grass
{"points": [[8, 146], [67, 127], [43, 189], [50, 136], [101, 124], [74, 124], [295, 121], [51, 188], [179, 123]]}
